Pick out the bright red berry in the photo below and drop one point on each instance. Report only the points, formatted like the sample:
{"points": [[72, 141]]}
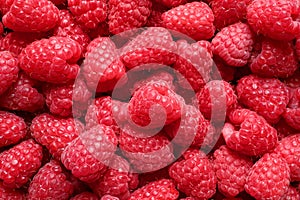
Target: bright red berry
{"points": [[31, 16], [269, 178], [50, 183], [109, 197], [20, 163], [5, 6], [292, 114], [11, 194], [1, 29], [193, 19], [298, 48], [292, 194]]}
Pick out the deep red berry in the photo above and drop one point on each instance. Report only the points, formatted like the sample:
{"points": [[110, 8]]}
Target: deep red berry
{"points": [[249, 133], [31, 16], [13, 128], [5, 6], [51, 60], [231, 170], [283, 129], [109, 197], [298, 48], [274, 18], [59, 2], [8, 70], [20, 163], [269, 178], [234, 44], [294, 80], [85, 196], [292, 194], [161, 189], [50, 183], [127, 15], [88, 13], [292, 114], [222, 70], [11, 194], [267, 96], [55, 133], [1, 29], [172, 3], [155, 20]]}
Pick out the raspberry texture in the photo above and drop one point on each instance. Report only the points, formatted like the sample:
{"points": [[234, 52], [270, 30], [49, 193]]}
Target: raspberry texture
{"points": [[50, 183], [109, 197], [51, 60], [8, 70], [292, 194], [20, 163], [31, 16], [274, 18], [276, 59], [125, 15], [267, 96], [13, 128], [11, 194], [298, 48], [55, 133], [155, 20], [194, 176], [231, 170], [269, 178], [292, 114], [5, 6], [88, 13], [160, 189], [85, 196], [172, 3], [199, 23]]}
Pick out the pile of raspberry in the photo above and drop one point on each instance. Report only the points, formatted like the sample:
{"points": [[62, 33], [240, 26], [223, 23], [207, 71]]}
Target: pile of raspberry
{"points": [[149, 99]]}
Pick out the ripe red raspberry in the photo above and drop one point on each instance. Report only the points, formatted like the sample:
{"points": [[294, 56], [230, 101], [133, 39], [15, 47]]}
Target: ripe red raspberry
{"points": [[222, 70], [85, 157], [155, 20], [275, 59], [216, 99], [85, 196], [199, 23], [23, 96], [8, 70], [109, 197], [172, 3], [194, 176], [100, 31], [269, 178], [13, 128], [59, 2], [191, 129], [50, 183], [267, 96], [231, 170], [154, 45], [294, 80], [298, 48], [31, 16], [160, 189], [126, 15], [5, 6], [155, 105], [228, 12], [194, 65], [55, 133], [51, 60], [145, 153], [274, 18], [292, 114], [289, 149], [206, 45], [252, 135], [102, 67], [11, 194], [292, 194], [234, 44], [88, 13], [283, 129], [20, 163]]}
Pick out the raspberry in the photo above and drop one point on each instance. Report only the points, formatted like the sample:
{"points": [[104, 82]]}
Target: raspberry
{"points": [[126, 15], [88, 13], [85, 196], [23, 95], [8, 70], [194, 176], [20, 163], [172, 3], [292, 114], [274, 18], [146, 154], [155, 105], [222, 69], [55, 133], [191, 129], [217, 97], [276, 59], [84, 156], [269, 178], [234, 44], [252, 135], [155, 20], [13, 128], [1, 29], [206, 45], [194, 64], [59, 2], [289, 149], [199, 23], [11, 194], [51, 60], [102, 68], [292, 193], [5, 6], [154, 45], [298, 48], [100, 30], [283, 129], [231, 170], [50, 183], [161, 189], [109, 197], [31, 16], [267, 96], [294, 80]]}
